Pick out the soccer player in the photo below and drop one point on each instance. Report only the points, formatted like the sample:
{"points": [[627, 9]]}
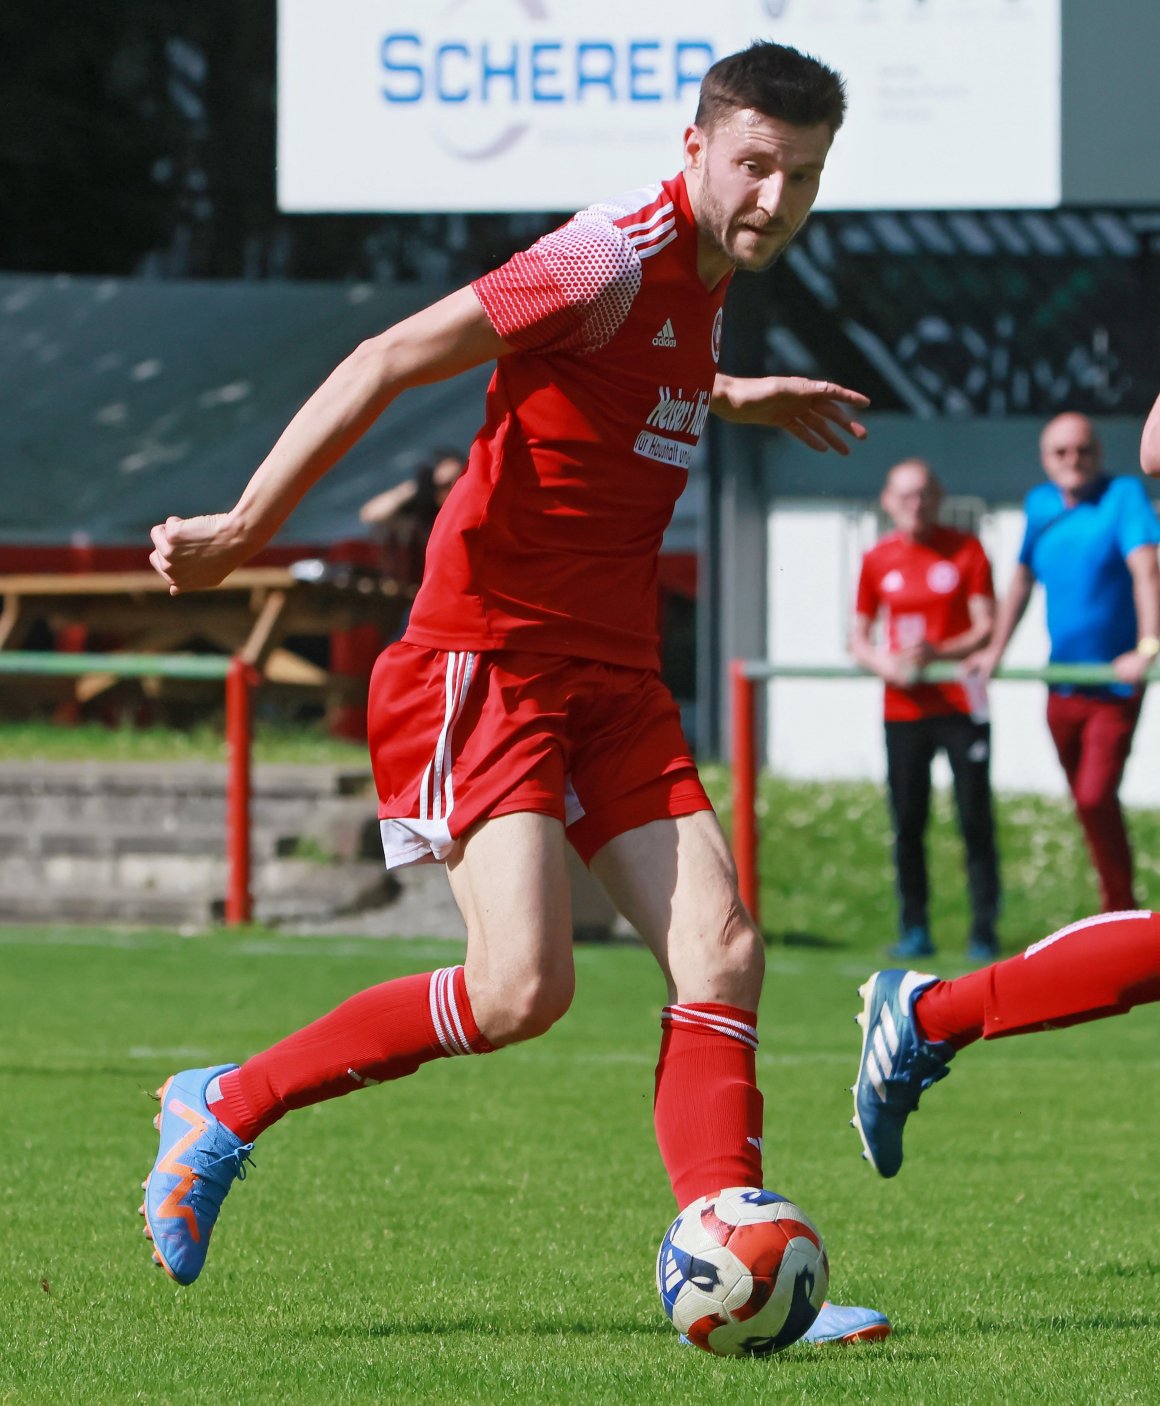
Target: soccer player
{"points": [[914, 1024], [932, 585], [523, 706], [1091, 540]]}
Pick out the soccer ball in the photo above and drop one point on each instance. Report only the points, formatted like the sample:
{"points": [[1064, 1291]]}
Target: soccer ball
{"points": [[742, 1273]]}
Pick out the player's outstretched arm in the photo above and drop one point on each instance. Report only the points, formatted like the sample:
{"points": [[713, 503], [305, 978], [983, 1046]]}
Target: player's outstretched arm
{"points": [[816, 412], [451, 336], [1150, 441]]}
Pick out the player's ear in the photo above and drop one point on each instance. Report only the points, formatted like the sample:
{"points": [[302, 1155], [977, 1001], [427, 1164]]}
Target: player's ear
{"points": [[695, 143]]}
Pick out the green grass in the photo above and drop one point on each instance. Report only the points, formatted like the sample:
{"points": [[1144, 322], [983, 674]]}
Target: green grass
{"points": [[827, 875], [274, 742], [485, 1231]]}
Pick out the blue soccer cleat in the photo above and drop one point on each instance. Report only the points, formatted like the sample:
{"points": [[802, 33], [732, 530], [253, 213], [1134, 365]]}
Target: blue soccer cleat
{"points": [[198, 1161], [897, 1065], [838, 1324]]}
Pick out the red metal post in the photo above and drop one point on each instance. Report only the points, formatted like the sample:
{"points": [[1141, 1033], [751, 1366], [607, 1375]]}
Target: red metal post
{"points": [[744, 701], [240, 682]]}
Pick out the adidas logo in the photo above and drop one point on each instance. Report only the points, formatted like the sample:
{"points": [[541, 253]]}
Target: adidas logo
{"points": [[666, 337]]}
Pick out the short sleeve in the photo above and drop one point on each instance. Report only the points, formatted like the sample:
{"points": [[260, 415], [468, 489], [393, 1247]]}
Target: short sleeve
{"points": [[979, 579], [866, 600], [571, 291], [1030, 532], [1136, 524]]}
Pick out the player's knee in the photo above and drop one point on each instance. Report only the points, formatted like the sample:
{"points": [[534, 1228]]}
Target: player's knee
{"points": [[732, 967], [529, 1005], [743, 950]]}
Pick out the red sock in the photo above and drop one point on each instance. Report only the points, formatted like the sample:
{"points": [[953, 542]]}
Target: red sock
{"points": [[1098, 967], [707, 1107], [382, 1033]]}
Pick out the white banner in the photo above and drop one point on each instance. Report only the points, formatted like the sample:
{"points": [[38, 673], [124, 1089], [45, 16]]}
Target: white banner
{"points": [[411, 105]]}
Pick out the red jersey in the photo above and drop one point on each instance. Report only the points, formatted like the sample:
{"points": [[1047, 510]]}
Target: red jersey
{"points": [[924, 589], [549, 541]]}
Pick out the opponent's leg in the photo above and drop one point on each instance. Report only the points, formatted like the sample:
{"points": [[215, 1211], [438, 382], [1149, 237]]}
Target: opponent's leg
{"points": [[913, 1024], [510, 879], [1100, 966]]}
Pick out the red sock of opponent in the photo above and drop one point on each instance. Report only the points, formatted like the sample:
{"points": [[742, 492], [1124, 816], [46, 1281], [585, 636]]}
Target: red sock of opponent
{"points": [[1098, 967], [707, 1107], [382, 1033]]}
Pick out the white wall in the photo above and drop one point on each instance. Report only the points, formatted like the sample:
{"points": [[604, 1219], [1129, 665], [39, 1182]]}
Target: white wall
{"points": [[832, 729]]}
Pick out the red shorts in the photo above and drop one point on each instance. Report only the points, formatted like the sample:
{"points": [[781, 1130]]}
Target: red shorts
{"points": [[457, 738]]}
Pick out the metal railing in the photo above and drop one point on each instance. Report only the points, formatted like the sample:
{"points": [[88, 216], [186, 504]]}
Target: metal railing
{"points": [[239, 678], [746, 675]]}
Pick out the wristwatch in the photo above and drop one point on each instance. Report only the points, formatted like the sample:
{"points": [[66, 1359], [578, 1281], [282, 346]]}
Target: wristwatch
{"points": [[1149, 646]]}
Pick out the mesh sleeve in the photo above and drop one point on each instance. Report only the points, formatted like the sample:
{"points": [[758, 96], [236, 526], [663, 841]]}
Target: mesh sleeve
{"points": [[571, 291]]}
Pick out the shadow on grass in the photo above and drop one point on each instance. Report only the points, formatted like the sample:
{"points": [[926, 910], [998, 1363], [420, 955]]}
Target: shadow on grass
{"points": [[815, 940], [441, 1327]]}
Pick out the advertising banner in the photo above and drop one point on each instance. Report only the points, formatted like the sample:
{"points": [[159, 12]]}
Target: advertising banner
{"points": [[477, 105]]}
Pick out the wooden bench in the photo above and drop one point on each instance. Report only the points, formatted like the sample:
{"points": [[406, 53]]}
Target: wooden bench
{"points": [[250, 614]]}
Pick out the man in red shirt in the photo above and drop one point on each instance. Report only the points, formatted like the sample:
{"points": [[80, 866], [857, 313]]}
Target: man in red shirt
{"points": [[932, 587], [523, 706]]}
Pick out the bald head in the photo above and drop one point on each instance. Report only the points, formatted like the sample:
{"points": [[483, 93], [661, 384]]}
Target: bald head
{"points": [[1069, 451]]}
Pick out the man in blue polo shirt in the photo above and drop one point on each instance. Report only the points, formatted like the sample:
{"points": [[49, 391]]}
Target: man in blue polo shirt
{"points": [[1091, 540]]}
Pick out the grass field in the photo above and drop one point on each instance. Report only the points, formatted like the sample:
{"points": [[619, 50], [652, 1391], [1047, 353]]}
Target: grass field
{"points": [[485, 1231]]}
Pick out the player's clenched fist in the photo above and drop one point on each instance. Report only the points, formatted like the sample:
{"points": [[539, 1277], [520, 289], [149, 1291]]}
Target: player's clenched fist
{"points": [[194, 553]]}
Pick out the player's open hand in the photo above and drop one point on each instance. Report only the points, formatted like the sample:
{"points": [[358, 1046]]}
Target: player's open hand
{"points": [[194, 553], [819, 413]]}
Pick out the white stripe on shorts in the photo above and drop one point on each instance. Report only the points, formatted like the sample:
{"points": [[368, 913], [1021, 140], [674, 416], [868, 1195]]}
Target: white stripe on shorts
{"points": [[436, 794]]}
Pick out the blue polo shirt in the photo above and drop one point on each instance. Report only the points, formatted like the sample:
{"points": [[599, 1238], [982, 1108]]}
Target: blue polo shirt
{"points": [[1079, 554]]}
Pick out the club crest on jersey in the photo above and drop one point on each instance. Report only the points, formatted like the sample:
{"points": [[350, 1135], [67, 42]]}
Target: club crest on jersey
{"points": [[666, 337], [715, 338], [943, 577]]}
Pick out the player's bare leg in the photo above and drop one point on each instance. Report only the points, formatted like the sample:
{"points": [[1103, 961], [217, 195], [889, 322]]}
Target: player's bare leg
{"points": [[676, 882], [510, 880]]}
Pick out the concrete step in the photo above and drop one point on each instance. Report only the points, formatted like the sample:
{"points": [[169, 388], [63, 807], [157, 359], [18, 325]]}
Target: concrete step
{"points": [[140, 794], [118, 842], [144, 843], [113, 906]]}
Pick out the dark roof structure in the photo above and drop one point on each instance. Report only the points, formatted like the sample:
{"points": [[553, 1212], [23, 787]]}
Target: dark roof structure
{"points": [[973, 313], [126, 400]]}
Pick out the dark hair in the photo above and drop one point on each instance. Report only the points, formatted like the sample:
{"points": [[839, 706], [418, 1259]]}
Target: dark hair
{"points": [[776, 81]]}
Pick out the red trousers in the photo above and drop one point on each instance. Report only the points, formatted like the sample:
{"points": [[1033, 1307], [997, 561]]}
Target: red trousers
{"points": [[1093, 736]]}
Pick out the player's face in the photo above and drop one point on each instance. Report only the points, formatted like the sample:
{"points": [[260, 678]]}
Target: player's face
{"points": [[1070, 453], [911, 499], [752, 180]]}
